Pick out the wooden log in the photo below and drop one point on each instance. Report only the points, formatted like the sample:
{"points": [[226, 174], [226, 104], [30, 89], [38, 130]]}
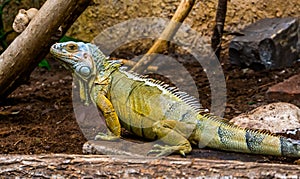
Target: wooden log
{"points": [[96, 166], [29, 48]]}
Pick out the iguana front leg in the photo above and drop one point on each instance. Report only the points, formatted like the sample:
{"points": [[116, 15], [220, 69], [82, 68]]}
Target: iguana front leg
{"points": [[111, 119], [173, 134]]}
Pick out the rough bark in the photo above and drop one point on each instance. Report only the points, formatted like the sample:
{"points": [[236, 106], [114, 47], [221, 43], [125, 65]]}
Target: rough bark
{"points": [[216, 39], [181, 13], [95, 166], [29, 48]]}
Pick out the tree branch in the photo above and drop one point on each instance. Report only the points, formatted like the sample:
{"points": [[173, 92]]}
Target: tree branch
{"points": [[181, 13], [29, 48]]}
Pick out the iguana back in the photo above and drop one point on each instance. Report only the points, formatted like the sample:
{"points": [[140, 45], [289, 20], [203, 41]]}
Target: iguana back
{"points": [[140, 102]]}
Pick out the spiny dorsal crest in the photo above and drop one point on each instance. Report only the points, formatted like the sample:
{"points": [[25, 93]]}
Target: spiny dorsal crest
{"points": [[189, 100], [228, 124], [98, 56], [100, 59]]}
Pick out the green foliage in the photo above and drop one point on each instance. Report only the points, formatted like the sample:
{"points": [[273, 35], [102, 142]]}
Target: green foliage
{"points": [[44, 64], [3, 34], [67, 38], [251, 102]]}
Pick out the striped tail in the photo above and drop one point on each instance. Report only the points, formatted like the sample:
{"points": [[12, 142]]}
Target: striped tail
{"points": [[217, 134]]}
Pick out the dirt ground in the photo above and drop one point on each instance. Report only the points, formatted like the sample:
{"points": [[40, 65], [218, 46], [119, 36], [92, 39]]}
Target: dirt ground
{"points": [[42, 118]]}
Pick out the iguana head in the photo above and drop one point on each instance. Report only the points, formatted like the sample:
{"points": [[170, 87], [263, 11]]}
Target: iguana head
{"points": [[82, 59]]}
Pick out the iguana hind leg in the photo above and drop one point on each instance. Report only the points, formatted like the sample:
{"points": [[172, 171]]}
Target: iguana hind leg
{"points": [[111, 119], [173, 134]]}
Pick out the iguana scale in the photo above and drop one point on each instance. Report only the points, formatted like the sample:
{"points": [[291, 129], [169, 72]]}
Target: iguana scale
{"points": [[152, 110]]}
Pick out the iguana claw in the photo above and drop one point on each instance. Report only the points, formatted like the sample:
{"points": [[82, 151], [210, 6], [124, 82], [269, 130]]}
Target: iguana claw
{"points": [[165, 150], [104, 136]]}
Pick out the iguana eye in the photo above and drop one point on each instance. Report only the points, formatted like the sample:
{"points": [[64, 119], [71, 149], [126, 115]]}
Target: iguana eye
{"points": [[72, 47]]}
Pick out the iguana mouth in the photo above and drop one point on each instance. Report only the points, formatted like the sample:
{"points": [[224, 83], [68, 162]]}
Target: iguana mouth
{"points": [[66, 58], [56, 50]]}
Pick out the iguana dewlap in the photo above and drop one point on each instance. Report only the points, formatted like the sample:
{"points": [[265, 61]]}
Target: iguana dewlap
{"points": [[151, 110]]}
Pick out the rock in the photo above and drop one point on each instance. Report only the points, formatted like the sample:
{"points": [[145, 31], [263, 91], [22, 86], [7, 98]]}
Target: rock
{"points": [[287, 91], [23, 18], [269, 43], [278, 118]]}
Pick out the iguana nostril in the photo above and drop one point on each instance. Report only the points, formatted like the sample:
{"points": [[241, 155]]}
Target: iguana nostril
{"points": [[54, 46]]}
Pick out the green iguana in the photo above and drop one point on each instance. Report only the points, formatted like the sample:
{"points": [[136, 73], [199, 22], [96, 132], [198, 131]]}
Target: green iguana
{"points": [[152, 110]]}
